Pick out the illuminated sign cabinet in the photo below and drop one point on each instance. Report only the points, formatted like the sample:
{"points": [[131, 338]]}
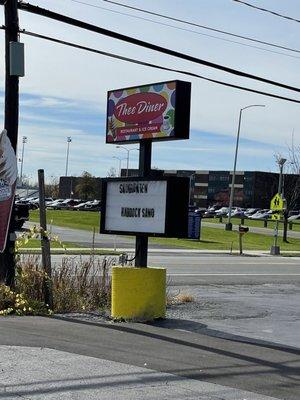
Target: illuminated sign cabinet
{"points": [[158, 111], [134, 206]]}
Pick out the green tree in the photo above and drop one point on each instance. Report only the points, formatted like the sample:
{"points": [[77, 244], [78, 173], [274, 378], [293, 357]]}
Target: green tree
{"points": [[86, 188], [52, 188]]}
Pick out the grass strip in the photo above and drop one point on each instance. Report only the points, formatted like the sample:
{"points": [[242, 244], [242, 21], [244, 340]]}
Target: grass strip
{"points": [[217, 239], [253, 223], [86, 220], [211, 238]]}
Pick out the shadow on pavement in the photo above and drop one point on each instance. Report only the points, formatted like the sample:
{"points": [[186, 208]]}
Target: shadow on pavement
{"points": [[196, 327], [140, 330]]}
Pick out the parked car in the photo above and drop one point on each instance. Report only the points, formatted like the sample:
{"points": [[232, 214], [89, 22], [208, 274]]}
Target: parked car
{"points": [[293, 218], [262, 214], [210, 212], [93, 206], [222, 212], [32, 203], [68, 204], [200, 211], [238, 213], [54, 204], [81, 206], [21, 214], [250, 211]]}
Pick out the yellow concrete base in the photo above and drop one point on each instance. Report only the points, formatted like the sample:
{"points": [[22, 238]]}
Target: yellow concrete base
{"points": [[138, 293]]}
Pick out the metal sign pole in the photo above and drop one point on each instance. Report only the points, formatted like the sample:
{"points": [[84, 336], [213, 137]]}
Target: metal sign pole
{"points": [[141, 241]]}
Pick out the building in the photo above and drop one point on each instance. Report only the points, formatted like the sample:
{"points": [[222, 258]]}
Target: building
{"points": [[252, 188]]}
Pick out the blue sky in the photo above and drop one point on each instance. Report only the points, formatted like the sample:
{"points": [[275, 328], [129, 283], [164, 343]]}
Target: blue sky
{"points": [[64, 90]]}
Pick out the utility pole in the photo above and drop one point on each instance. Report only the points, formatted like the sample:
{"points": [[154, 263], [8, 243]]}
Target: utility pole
{"points": [[11, 122]]}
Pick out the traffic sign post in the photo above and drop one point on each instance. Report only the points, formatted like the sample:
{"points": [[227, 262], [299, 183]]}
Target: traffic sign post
{"points": [[277, 204], [276, 216], [242, 231]]}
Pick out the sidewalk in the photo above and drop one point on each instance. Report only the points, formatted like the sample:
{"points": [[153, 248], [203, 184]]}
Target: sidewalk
{"points": [[76, 250]]}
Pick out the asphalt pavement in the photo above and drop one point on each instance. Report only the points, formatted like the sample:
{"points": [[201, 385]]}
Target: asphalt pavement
{"points": [[238, 339], [89, 360]]}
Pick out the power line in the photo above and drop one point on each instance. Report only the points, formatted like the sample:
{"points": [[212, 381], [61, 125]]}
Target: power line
{"points": [[265, 10], [197, 25], [186, 30], [93, 28], [146, 64]]}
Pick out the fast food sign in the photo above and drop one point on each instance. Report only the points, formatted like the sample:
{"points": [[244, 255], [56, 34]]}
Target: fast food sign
{"points": [[8, 178], [159, 111]]}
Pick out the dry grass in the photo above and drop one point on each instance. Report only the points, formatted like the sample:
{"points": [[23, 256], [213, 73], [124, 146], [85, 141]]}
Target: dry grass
{"points": [[184, 298], [178, 297], [81, 285], [78, 285]]}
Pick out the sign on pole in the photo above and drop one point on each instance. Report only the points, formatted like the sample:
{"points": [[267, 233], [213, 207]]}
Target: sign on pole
{"points": [[156, 207], [277, 203], [276, 216], [158, 111], [8, 178]]}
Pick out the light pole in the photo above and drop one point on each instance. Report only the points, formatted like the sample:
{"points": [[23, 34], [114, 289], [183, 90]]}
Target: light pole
{"points": [[120, 162], [24, 140], [275, 249], [228, 226], [128, 151], [69, 140]]}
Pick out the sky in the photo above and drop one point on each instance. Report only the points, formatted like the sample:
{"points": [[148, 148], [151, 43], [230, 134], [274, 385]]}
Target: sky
{"points": [[64, 90]]}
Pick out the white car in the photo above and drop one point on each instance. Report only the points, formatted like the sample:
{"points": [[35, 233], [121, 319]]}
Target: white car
{"points": [[293, 217], [261, 214], [222, 212]]}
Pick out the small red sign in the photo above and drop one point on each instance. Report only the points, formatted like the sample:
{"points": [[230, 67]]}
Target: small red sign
{"points": [[140, 107]]}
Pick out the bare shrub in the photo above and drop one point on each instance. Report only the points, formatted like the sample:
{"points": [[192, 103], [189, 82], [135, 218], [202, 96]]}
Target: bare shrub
{"points": [[78, 284], [30, 278], [81, 285]]}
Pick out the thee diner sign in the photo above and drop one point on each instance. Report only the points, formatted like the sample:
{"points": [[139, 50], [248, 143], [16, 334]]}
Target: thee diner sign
{"points": [[159, 111]]}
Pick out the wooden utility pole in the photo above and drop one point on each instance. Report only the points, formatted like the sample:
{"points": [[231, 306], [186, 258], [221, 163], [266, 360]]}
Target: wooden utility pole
{"points": [[45, 243], [11, 122]]}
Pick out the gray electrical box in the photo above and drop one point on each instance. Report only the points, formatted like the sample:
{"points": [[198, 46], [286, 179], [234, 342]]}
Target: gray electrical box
{"points": [[16, 59]]}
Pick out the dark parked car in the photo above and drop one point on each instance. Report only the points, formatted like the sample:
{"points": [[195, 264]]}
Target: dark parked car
{"points": [[21, 213], [68, 204]]}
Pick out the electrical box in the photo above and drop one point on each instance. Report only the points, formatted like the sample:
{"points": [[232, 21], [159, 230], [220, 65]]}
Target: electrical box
{"points": [[16, 59]]}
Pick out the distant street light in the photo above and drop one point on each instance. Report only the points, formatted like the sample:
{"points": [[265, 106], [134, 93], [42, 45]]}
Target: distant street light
{"points": [[228, 226], [69, 140], [24, 140], [128, 151], [120, 163]]}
